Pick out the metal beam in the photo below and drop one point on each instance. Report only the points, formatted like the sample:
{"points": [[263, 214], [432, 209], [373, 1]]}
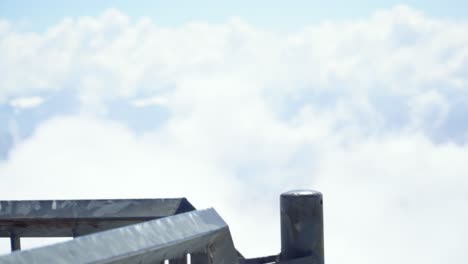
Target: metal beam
{"points": [[72, 218], [199, 258], [260, 260], [275, 260], [149, 242]]}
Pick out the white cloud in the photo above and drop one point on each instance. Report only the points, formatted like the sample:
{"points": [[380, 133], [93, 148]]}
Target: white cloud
{"points": [[399, 49], [4, 26], [149, 101], [26, 102], [402, 193], [398, 53], [396, 194], [430, 109], [345, 107]]}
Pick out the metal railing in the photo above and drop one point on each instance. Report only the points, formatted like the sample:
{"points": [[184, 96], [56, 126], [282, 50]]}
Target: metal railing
{"points": [[153, 231], [202, 233], [73, 218]]}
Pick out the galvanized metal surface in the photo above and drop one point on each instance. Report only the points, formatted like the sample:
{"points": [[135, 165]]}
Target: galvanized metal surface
{"points": [[71, 218], [203, 234], [302, 225], [154, 241], [199, 258]]}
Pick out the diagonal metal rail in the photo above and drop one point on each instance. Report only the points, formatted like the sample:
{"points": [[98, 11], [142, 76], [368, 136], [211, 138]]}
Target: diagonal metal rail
{"points": [[203, 234]]}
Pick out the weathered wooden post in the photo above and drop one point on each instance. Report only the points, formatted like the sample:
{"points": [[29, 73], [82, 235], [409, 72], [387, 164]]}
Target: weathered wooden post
{"points": [[302, 225]]}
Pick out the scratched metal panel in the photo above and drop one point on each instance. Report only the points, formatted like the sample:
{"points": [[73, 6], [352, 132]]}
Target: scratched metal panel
{"points": [[58, 218], [148, 242]]}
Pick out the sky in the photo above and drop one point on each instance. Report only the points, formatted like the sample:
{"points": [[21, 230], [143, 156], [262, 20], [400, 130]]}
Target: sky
{"points": [[230, 105]]}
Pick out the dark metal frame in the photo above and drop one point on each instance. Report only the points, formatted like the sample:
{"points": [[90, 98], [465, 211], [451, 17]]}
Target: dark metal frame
{"points": [[72, 218], [152, 231], [200, 232]]}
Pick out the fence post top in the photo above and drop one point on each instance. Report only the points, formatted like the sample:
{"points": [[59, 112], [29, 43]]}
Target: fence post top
{"points": [[301, 192]]}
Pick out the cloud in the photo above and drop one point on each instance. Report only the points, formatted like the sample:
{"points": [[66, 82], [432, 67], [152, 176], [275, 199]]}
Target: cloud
{"points": [[397, 54], [26, 102], [150, 101], [368, 111], [4, 26], [401, 193]]}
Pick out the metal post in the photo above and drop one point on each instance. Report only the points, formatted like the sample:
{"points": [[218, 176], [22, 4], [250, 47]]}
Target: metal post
{"points": [[15, 242], [302, 225]]}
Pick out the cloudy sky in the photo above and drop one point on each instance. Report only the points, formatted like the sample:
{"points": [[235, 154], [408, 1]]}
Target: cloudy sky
{"points": [[231, 104]]}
